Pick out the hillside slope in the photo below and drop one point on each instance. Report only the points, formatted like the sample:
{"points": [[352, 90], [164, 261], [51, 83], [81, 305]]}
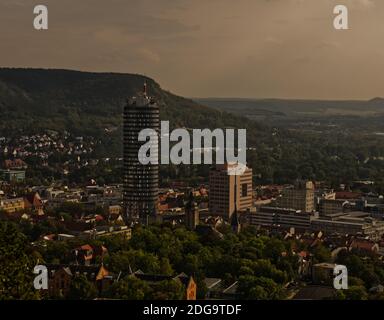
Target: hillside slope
{"points": [[85, 102]]}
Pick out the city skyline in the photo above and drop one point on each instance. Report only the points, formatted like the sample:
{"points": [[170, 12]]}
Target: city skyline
{"points": [[251, 49], [115, 187]]}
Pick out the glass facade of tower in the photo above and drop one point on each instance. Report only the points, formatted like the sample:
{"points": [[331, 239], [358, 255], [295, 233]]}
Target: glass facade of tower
{"points": [[140, 180]]}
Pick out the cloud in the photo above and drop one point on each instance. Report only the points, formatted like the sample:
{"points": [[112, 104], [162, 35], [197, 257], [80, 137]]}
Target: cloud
{"points": [[207, 48], [367, 3], [272, 40], [149, 55]]}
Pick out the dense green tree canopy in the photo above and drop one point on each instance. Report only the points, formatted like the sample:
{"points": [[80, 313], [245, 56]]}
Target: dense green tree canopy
{"points": [[16, 264]]}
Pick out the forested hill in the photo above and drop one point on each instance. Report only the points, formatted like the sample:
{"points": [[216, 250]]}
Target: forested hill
{"points": [[85, 102]]}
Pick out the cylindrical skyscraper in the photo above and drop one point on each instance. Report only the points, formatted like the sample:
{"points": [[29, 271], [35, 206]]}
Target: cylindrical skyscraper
{"points": [[140, 180]]}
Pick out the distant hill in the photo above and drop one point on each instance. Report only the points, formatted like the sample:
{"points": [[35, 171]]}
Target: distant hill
{"points": [[86, 102], [254, 108]]}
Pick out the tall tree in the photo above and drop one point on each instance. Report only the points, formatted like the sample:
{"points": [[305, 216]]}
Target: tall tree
{"points": [[82, 289], [129, 288], [16, 265]]}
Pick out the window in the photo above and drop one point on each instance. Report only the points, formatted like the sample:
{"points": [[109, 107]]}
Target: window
{"points": [[244, 190]]}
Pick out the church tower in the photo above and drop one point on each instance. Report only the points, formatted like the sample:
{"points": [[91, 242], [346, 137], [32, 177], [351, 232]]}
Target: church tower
{"points": [[191, 213]]}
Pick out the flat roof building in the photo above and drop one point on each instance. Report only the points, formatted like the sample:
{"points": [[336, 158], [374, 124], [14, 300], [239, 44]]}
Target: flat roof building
{"points": [[281, 217], [353, 223], [329, 206], [12, 175], [225, 190], [299, 197]]}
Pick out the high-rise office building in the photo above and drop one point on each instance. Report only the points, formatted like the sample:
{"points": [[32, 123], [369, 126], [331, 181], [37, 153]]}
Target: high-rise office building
{"points": [[299, 197], [140, 180], [225, 190]]}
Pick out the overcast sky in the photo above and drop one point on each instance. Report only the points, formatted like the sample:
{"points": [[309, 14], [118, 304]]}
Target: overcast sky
{"points": [[208, 48]]}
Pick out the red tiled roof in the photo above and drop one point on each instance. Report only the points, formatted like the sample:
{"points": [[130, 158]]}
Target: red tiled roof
{"points": [[303, 254], [347, 195], [362, 244], [99, 218], [85, 247], [16, 163]]}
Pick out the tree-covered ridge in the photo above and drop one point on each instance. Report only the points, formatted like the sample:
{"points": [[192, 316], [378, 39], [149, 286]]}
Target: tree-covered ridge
{"points": [[330, 148], [86, 102]]}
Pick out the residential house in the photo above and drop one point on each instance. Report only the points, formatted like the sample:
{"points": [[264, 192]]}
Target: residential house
{"points": [[60, 278], [33, 202], [87, 254]]}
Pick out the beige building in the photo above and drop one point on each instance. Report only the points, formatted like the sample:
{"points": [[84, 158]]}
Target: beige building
{"points": [[223, 189], [299, 197], [12, 205]]}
